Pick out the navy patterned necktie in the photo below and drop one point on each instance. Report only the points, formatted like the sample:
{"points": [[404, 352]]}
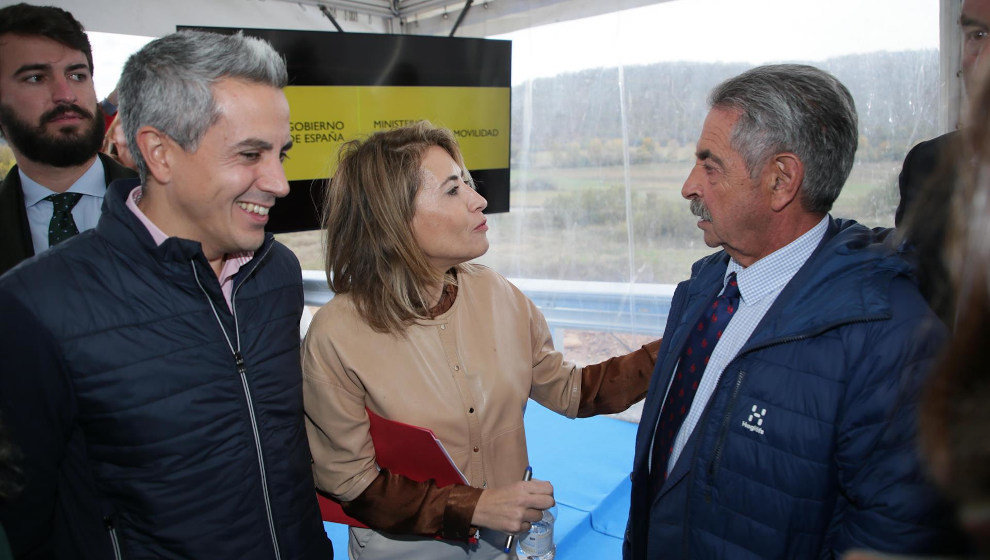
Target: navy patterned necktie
{"points": [[62, 225], [702, 340]]}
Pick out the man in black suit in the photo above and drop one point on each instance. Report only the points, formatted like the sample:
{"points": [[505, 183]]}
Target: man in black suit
{"points": [[929, 172], [923, 160], [50, 117]]}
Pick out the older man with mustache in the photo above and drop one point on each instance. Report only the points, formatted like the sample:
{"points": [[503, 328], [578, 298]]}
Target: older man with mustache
{"points": [[780, 419], [54, 126]]}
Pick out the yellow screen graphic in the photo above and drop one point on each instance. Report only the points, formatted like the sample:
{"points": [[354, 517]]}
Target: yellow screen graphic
{"points": [[324, 117]]}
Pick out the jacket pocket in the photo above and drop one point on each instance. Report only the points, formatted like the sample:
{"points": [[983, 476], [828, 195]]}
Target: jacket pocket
{"points": [[723, 432]]}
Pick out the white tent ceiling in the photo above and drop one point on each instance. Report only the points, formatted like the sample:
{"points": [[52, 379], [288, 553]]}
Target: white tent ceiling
{"points": [[417, 17], [485, 18]]}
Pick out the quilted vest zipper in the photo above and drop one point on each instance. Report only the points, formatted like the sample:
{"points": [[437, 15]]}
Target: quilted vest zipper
{"points": [[114, 541], [242, 372]]}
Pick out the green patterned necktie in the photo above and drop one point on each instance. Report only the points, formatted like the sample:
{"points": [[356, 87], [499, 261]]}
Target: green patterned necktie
{"points": [[62, 225]]}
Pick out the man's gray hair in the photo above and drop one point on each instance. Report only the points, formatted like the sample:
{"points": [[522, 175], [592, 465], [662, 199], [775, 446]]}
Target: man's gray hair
{"points": [[799, 109], [168, 83]]}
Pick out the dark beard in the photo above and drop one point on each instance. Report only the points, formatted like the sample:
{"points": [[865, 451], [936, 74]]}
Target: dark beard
{"points": [[63, 150]]}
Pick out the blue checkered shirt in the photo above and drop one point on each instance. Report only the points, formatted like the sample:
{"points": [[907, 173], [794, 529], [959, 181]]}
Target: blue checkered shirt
{"points": [[759, 285]]}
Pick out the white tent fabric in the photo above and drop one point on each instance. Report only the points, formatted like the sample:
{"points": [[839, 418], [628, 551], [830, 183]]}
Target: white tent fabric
{"points": [[154, 18], [420, 17]]}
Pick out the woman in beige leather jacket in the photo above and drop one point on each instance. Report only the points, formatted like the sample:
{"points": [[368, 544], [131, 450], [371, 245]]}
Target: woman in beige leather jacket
{"points": [[416, 335]]}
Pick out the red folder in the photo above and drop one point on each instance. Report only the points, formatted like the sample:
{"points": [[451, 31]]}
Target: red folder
{"points": [[403, 449]]}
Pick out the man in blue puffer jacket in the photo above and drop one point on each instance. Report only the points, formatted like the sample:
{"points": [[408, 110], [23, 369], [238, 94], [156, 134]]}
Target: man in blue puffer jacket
{"points": [[149, 368], [781, 418]]}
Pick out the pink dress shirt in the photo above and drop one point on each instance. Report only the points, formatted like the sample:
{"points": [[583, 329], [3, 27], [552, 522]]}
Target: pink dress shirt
{"points": [[231, 263]]}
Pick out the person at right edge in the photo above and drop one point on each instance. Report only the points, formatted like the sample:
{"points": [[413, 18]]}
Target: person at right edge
{"points": [[954, 416], [418, 335], [923, 213], [782, 416]]}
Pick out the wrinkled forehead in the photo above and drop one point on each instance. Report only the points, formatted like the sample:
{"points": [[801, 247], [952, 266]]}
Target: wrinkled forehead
{"points": [[719, 124]]}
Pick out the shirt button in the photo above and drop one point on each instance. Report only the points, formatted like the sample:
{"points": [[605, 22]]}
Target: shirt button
{"points": [[471, 411], [443, 327], [457, 368], [475, 449]]}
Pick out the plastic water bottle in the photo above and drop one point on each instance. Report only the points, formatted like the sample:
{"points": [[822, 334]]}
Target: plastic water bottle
{"points": [[538, 543]]}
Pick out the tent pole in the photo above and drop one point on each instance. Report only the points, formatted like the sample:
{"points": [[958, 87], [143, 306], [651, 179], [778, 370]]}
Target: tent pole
{"points": [[327, 13], [460, 18]]}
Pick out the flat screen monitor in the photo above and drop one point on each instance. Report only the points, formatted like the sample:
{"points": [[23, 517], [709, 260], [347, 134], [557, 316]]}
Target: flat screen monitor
{"points": [[344, 86]]}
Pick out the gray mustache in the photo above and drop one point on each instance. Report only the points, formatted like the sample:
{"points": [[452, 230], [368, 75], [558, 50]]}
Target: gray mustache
{"points": [[699, 209]]}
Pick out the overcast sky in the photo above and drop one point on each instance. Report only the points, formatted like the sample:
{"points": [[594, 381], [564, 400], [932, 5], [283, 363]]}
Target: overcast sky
{"points": [[754, 31]]}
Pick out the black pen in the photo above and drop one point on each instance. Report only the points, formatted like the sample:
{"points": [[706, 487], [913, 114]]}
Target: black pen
{"points": [[508, 540]]}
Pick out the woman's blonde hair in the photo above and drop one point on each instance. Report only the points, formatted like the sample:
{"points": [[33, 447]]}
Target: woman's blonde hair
{"points": [[369, 246]]}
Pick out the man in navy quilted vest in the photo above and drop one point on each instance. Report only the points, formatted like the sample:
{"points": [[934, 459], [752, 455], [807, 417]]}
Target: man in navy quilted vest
{"points": [[149, 368], [781, 418]]}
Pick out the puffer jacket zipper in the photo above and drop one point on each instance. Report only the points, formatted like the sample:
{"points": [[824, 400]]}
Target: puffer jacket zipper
{"points": [[235, 350], [727, 417], [722, 433]]}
